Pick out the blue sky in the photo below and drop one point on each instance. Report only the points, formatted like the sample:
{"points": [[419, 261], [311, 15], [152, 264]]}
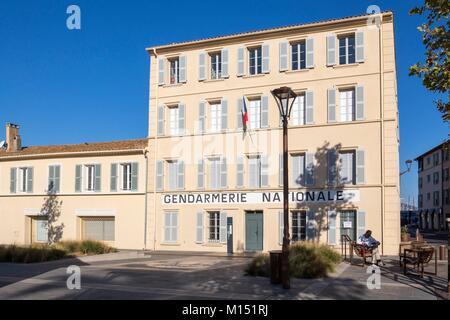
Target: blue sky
{"points": [[66, 86]]}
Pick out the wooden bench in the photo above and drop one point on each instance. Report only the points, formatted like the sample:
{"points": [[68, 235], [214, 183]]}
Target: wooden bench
{"points": [[420, 257]]}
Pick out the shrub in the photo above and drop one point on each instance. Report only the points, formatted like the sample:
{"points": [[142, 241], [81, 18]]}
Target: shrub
{"points": [[30, 254], [259, 266], [85, 247]]}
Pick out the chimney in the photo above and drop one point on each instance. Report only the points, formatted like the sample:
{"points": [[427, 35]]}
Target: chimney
{"points": [[13, 140]]}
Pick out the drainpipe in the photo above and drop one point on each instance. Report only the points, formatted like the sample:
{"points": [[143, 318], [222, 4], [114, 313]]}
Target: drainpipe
{"points": [[155, 163], [146, 197]]}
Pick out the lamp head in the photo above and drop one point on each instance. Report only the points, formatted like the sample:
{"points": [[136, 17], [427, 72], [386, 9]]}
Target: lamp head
{"points": [[285, 98]]}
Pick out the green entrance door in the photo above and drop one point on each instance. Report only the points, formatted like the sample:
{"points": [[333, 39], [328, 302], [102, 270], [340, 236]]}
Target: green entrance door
{"points": [[254, 230]]}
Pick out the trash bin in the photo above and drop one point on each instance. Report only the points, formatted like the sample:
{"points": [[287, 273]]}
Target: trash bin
{"points": [[442, 250], [275, 266]]}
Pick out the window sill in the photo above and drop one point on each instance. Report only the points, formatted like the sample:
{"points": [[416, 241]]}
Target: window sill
{"points": [[175, 244], [213, 80], [253, 75], [297, 71], [337, 66], [172, 85]]}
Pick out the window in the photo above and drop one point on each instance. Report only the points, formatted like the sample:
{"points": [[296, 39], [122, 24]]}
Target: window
{"points": [[90, 177], [99, 228], [174, 70], [216, 65], [214, 227], [347, 171], [428, 178], [445, 153], [428, 196], [428, 160], [214, 173], [298, 169], [420, 201], [436, 198], [347, 49], [23, 178], [170, 227], [126, 176], [347, 105], [254, 172], [298, 226], [348, 224], [298, 111], [174, 120], [40, 230], [447, 196], [216, 117], [436, 159], [173, 174], [445, 174], [436, 178], [54, 173], [298, 55], [420, 165], [420, 182], [254, 114], [255, 60]]}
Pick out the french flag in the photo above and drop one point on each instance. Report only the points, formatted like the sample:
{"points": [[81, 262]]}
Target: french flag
{"points": [[244, 115]]}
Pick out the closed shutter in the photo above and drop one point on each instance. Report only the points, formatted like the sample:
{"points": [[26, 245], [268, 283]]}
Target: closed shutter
{"points": [[311, 225], [264, 112], [240, 106], [160, 175], [181, 118], [360, 167], [309, 96], [160, 120], [99, 228], [332, 227], [202, 66], [264, 171], [161, 69], [284, 56], [13, 180], [361, 222], [240, 172], [200, 226], [309, 169], [309, 53], [30, 179], [98, 175], [134, 176], [224, 106], [180, 179], [114, 177], [331, 163], [240, 62], [280, 167], [225, 73], [359, 41], [201, 117], [331, 50], [223, 173], [360, 103], [223, 227], [280, 227], [182, 69], [78, 178], [265, 58], [201, 174], [331, 105]]}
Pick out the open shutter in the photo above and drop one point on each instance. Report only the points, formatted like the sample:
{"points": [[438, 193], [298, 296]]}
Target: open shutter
{"points": [[78, 178], [240, 62], [13, 180], [199, 237], [332, 166], [359, 103], [310, 225], [297, 169], [201, 174], [51, 178], [331, 105], [223, 227], [160, 175], [202, 66], [331, 50], [309, 169], [280, 167], [264, 171], [225, 73], [309, 96], [181, 118], [361, 222], [180, 178], [161, 69], [113, 179], [240, 106], [265, 58], [134, 176], [182, 69], [359, 41], [224, 106], [280, 227], [160, 120], [201, 117], [332, 227], [309, 53], [240, 172], [264, 111], [223, 173], [284, 56], [98, 175], [360, 167], [30, 179], [57, 179]]}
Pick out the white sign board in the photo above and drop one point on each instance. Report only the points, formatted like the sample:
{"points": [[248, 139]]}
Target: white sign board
{"points": [[347, 224]]}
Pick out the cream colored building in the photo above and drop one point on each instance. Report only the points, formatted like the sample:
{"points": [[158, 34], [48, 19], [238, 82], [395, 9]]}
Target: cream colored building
{"points": [[215, 187]]}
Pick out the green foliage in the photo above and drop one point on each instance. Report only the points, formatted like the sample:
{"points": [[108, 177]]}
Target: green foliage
{"points": [[85, 247], [404, 230], [435, 71], [259, 266]]}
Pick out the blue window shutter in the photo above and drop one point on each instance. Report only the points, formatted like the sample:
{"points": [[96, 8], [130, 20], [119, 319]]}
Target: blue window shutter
{"points": [[240, 106], [332, 227], [201, 174], [223, 227], [240, 62], [332, 166], [223, 173], [359, 103], [13, 180], [284, 55], [264, 111], [331, 50], [280, 227], [309, 169], [201, 117], [180, 179], [200, 226], [182, 68], [309, 96], [331, 94], [225, 73], [98, 175], [359, 44], [181, 118], [264, 171], [134, 176], [265, 58], [160, 175], [360, 167], [311, 225], [30, 179], [240, 172], [202, 66], [78, 178], [310, 53], [361, 222], [161, 71], [161, 122], [224, 106], [114, 177]]}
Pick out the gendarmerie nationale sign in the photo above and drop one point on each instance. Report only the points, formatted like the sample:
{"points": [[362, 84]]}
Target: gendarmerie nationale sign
{"points": [[261, 197]]}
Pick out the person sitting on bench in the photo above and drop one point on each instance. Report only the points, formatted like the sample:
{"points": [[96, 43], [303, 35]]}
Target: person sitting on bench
{"points": [[367, 240]]}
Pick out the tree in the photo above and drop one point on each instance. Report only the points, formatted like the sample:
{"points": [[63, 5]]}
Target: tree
{"points": [[51, 210], [435, 71]]}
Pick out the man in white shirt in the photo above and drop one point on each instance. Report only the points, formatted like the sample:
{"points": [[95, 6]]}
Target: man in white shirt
{"points": [[367, 240]]}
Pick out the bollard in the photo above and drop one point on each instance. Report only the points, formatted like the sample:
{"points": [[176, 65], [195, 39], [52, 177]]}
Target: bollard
{"points": [[442, 250]]}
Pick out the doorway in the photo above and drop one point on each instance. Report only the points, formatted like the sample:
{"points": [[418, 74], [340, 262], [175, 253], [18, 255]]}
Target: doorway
{"points": [[254, 230]]}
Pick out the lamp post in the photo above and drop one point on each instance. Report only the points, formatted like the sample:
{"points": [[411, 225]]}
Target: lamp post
{"points": [[285, 98], [408, 167]]}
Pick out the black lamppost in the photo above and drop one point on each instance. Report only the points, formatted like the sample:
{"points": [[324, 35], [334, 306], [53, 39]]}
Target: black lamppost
{"points": [[285, 98], [408, 167]]}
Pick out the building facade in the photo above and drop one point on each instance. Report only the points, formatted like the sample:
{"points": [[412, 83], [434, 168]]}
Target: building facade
{"points": [[215, 182], [434, 186]]}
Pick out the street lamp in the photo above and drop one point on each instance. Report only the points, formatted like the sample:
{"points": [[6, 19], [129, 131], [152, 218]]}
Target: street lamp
{"points": [[408, 167], [285, 98]]}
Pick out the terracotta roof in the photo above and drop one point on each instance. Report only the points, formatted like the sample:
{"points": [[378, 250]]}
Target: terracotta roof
{"points": [[261, 31], [75, 148]]}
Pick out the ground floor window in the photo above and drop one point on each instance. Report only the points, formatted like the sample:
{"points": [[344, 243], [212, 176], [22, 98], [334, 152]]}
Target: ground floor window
{"points": [[348, 223], [298, 226], [214, 226], [39, 230], [170, 227], [98, 228]]}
